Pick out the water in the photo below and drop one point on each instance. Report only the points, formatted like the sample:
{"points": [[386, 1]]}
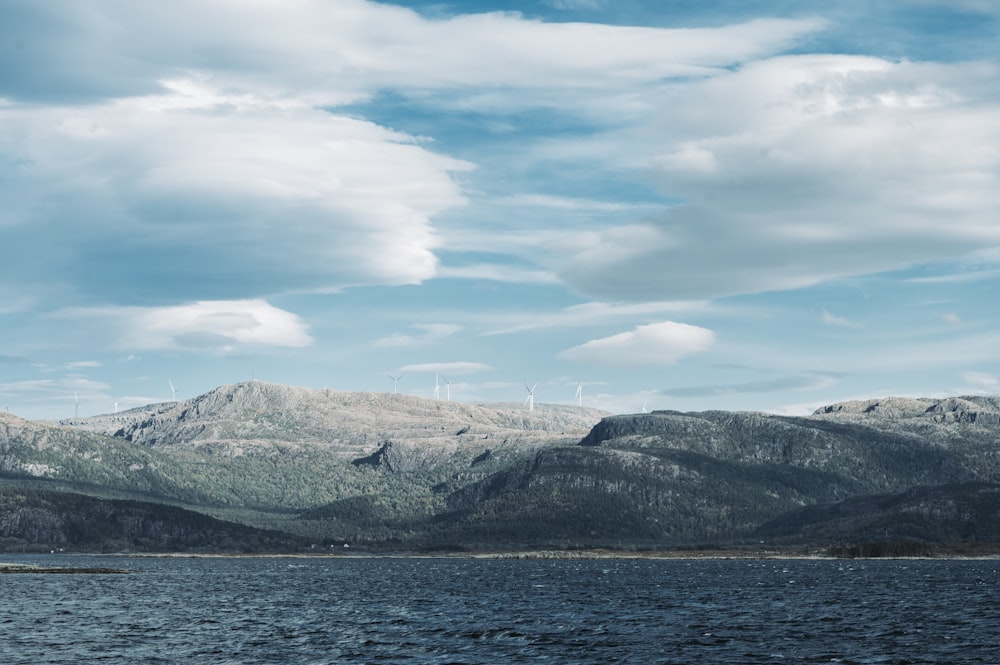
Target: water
{"points": [[306, 611]]}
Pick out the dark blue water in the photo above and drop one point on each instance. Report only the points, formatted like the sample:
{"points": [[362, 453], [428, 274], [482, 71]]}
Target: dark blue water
{"points": [[502, 611]]}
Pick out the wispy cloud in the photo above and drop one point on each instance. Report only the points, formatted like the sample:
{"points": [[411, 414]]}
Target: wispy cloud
{"points": [[82, 364], [598, 313], [982, 381], [430, 332], [834, 320], [782, 384], [574, 4], [455, 368]]}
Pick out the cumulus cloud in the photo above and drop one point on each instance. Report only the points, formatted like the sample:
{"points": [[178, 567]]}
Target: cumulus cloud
{"points": [[649, 345], [801, 169], [219, 326]]}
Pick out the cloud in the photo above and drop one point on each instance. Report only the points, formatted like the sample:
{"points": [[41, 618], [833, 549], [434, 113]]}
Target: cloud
{"points": [[951, 318], [834, 320], [802, 169], [788, 383], [982, 381], [339, 52], [445, 368], [498, 272], [220, 326], [432, 332], [187, 151], [61, 389], [81, 364], [595, 313], [650, 345], [574, 4], [195, 195]]}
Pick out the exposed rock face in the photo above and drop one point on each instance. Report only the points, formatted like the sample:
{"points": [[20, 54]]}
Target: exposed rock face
{"points": [[256, 412], [395, 457]]}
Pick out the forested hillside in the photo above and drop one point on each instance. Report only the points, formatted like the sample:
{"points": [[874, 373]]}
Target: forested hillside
{"points": [[381, 471]]}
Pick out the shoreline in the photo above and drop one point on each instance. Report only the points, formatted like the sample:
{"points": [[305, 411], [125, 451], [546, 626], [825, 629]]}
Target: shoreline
{"points": [[722, 554]]}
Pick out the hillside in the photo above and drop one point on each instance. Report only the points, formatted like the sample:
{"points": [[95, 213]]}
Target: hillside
{"points": [[395, 471], [262, 454], [670, 478]]}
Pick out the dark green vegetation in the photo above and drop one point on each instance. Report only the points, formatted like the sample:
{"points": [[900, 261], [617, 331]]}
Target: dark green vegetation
{"points": [[260, 467]]}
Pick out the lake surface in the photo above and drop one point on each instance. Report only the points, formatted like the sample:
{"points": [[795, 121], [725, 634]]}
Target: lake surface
{"points": [[439, 611]]}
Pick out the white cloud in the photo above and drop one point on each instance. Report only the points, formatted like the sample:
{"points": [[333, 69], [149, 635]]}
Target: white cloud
{"points": [[568, 203], [81, 364], [431, 332], [834, 320], [596, 313], [951, 318], [61, 389], [225, 192], [445, 368], [342, 51], [573, 4], [209, 325], [650, 345], [801, 169], [795, 383], [982, 381], [217, 148], [498, 272]]}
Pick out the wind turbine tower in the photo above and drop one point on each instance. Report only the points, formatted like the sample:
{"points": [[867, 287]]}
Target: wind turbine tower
{"points": [[76, 405], [116, 405], [579, 393], [644, 406], [531, 396], [173, 393], [395, 382], [437, 386], [447, 388]]}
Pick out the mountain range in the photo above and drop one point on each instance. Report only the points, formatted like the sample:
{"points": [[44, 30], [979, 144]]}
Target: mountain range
{"points": [[265, 467]]}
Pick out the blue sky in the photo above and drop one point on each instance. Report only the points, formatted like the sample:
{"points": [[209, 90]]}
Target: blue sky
{"points": [[677, 204]]}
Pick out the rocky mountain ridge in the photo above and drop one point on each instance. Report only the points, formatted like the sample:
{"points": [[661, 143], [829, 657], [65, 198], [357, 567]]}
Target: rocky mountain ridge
{"points": [[399, 471]]}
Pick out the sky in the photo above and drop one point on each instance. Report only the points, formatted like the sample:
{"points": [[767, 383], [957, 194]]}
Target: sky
{"points": [[652, 204]]}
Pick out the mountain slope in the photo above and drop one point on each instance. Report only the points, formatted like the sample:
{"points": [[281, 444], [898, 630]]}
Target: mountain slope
{"points": [[402, 472]]}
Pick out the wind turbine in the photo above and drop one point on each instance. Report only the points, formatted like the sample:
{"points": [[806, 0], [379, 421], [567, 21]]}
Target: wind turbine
{"points": [[644, 406], [579, 393], [437, 386], [76, 405], [531, 396], [395, 382], [447, 388], [173, 393], [116, 405]]}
